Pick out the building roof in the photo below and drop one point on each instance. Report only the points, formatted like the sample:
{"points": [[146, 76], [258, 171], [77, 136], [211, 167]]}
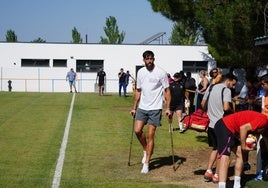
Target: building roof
{"points": [[261, 41]]}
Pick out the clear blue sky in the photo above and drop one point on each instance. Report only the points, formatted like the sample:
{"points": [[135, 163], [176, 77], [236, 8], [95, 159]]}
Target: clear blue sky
{"points": [[53, 20]]}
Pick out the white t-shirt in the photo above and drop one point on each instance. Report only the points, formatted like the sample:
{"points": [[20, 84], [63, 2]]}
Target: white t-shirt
{"points": [[152, 85]]}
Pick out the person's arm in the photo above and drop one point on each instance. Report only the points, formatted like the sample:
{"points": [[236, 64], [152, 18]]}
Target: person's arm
{"points": [[205, 85], [244, 129], [136, 100], [168, 100], [97, 78]]}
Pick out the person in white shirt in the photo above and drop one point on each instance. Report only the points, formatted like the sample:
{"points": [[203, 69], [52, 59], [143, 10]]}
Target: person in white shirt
{"points": [[152, 89]]}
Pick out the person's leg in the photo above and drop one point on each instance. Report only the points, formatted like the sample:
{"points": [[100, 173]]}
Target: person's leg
{"points": [[179, 117], [212, 157], [223, 169], [150, 144], [74, 87], [238, 166], [120, 87], [70, 84], [124, 88], [140, 134]]}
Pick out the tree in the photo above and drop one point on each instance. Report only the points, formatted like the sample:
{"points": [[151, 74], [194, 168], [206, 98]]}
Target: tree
{"points": [[11, 36], [76, 36], [112, 32], [38, 40], [229, 27], [183, 34]]}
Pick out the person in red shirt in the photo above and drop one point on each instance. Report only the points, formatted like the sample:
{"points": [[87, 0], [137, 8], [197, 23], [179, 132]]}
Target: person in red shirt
{"points": [[231, 133]]}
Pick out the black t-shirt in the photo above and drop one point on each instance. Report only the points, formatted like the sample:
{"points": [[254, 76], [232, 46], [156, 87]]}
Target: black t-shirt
{"points": [[101, 76], [122, 78], [177, 91]]}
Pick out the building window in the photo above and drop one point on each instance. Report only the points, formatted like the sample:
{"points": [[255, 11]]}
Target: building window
{"points": [[88, 65], [59, 63], [35, 62], [194, 66]]}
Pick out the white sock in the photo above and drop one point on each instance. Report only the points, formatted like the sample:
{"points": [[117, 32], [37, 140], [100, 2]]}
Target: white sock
{"points": [[209, 171], [144, 157], [145, 168], [237, 182], [222, 184]]}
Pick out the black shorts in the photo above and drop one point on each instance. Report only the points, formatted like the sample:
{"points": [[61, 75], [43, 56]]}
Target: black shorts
{"points": [[225, 139], [212, 139], [176, 107]]}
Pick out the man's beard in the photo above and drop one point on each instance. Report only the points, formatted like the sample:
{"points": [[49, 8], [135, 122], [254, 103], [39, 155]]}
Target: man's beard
{"points": [[149, 66]]}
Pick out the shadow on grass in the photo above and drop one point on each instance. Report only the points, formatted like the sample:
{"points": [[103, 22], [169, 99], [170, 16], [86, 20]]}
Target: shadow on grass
{"points": [[166, 161], [202, 139]]}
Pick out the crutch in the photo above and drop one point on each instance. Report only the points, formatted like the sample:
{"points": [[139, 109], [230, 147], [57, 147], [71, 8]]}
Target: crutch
{"points": [[131, 140], [171, 139]]}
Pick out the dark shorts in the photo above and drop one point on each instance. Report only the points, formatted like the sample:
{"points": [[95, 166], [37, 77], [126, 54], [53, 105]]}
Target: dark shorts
{"points": [[152, 117], [212, 139], [101, 83], [177, 107], [225, 139]]}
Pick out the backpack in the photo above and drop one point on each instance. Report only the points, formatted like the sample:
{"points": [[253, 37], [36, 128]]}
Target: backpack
{"points": [[198, 120]]}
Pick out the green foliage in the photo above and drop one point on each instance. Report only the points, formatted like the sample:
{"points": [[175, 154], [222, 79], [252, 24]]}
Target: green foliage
{"points": [[112, 32], [11, 36], [228, 27], [183, 34], [39, 40], [76, 36]]}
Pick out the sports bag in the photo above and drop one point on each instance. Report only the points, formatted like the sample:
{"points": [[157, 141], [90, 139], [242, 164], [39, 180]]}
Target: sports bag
{"points": [[198, 120]]}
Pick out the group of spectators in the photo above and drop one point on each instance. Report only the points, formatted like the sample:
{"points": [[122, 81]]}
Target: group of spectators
{"points": [[232, 117]]}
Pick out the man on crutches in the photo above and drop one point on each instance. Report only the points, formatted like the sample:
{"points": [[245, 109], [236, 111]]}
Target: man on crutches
{"points": [[152, 85]]}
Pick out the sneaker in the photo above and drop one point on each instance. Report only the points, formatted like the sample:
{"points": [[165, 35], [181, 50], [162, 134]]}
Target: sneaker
{"points": [[258, 176], [182, 130], [215, 179], [208, 177], [144, 157], [247, 166], [145, 168]]}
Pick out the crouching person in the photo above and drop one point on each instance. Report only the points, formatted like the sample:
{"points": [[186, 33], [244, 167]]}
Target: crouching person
{"points": [[231, 133]]}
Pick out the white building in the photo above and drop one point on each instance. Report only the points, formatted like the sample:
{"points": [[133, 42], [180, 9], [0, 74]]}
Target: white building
{"points": [[42, 67]]}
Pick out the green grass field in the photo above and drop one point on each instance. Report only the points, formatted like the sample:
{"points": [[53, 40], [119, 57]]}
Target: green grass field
{"points": [[32, 127]]}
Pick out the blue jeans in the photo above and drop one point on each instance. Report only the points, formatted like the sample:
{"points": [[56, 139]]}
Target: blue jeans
{"points": [[123, 84]]}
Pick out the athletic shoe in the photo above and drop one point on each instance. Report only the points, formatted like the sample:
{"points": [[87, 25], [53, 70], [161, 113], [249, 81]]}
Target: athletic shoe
{"points": [[208, 177], [215, 179], [144, 157], [145, 168], [247, 166], [182, 130], [258, 176]]}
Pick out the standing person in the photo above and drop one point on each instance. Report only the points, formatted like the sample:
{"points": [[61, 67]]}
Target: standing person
{"points": [[101, 80], [178, 96], [128, 75], [231, 132], [152, 87], [215, 75], [201, 88], [122, 82], [72, 77], [190, 85], [220, 99]]}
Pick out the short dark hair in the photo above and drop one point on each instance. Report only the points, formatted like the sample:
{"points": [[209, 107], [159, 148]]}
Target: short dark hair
{"points": [[229, 76], [147, 53], [264, 78]]}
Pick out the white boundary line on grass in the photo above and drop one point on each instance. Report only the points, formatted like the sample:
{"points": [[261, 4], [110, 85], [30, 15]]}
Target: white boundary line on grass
{"points": [[58, 170]]}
